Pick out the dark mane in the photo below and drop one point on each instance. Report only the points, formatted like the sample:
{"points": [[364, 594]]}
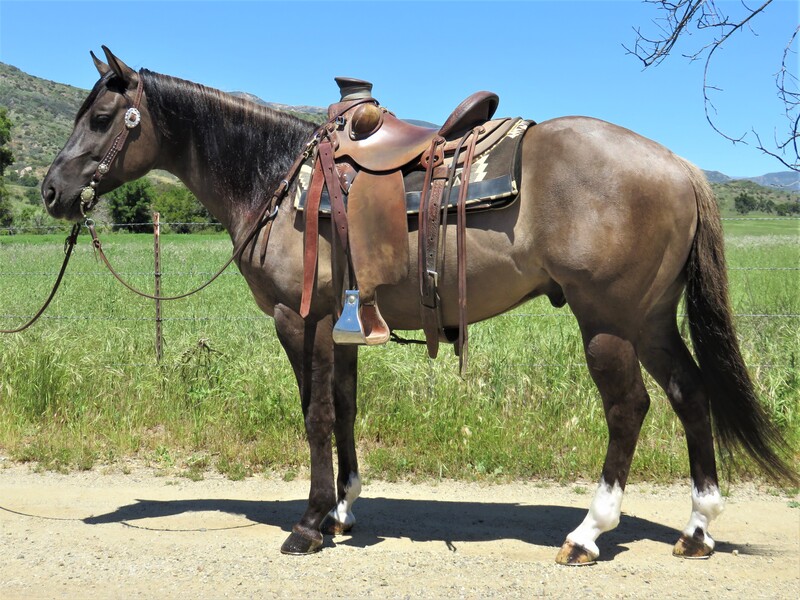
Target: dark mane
{"points": [[247, 146]]}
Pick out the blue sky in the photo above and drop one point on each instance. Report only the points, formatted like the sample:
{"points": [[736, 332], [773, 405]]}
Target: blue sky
{"points": [[544, 59]]}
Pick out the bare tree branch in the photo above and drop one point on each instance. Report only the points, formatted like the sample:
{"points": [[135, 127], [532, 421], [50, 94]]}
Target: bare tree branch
{"points": [[677, 18]]}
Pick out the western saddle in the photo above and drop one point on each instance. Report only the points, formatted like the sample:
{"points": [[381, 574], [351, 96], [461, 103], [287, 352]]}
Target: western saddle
{"points": [[361, 155]]}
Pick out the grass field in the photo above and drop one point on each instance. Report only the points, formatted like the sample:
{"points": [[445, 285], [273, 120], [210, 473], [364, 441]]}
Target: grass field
{"points": [[82, 387]]}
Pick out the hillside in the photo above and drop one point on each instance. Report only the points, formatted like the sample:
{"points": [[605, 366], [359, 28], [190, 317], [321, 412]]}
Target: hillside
{"points": [[42, 114], [764, 196], [783, 180]]}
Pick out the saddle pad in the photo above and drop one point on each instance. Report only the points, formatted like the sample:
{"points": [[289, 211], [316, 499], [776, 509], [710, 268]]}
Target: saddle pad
{"points": [[492, 182]]}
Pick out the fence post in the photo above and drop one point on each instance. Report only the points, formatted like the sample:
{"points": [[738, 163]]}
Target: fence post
{"points": [[157, 259]]}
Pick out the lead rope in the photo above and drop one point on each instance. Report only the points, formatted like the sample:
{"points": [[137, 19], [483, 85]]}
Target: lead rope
{"points": [[266, 217], [69, 244], [264, 221]]}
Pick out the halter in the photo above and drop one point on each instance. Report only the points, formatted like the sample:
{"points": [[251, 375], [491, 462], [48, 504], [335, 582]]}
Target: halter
{"points": [[132, 119]]}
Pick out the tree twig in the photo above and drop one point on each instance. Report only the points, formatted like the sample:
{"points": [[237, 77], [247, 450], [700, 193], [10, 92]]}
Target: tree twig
{"points": [[678, 17]]}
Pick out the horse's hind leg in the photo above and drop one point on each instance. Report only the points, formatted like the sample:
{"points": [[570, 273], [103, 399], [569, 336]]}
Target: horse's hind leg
{"points": [[665, 356], [348, 483], [615, 369]]}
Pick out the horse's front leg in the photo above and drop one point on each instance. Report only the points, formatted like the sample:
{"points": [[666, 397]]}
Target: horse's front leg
{"points": [[309, 346], [348, 483]]}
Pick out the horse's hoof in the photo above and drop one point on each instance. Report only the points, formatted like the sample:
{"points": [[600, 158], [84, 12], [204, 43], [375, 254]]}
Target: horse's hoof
{"points": [[302, 540], [331, 526], [692, 547], [574, 555]]}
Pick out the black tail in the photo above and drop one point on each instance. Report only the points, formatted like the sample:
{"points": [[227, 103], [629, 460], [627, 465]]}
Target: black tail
{"points": [[739, 418]]}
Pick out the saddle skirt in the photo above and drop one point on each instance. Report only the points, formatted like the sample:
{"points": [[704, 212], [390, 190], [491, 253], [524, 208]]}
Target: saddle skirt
{"points": [[493, 178]]}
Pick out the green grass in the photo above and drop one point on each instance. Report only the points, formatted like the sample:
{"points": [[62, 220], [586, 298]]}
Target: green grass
{"points": [[82, 389], [762, 226]]}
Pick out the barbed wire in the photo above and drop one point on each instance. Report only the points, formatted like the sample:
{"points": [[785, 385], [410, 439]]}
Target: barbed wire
{"points": [[147, 319], [264, 317], [267, 317], [238, 274], [65, 227], [106, 274], [787, 218]]}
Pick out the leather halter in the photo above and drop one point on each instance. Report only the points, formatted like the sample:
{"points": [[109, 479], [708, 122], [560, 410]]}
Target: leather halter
{"points": [[132, 119]]}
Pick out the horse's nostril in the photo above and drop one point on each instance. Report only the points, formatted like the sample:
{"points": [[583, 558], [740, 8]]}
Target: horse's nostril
{"points": [[49, 195]]}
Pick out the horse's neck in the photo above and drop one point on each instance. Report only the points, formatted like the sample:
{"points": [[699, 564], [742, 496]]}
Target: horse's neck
{"points": [[232, 162]]}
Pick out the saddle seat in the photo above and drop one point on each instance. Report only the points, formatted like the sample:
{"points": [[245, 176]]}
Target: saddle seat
{"points": [[376, 140]]}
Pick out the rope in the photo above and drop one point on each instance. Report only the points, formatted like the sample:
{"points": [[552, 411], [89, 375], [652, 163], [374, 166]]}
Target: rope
{"points": [[69, 244]]}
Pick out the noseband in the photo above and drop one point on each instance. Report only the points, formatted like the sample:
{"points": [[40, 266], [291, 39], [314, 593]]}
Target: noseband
{"points": [[132, 119]]}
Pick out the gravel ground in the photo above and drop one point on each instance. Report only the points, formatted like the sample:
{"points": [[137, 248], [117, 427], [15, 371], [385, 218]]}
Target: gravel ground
{"points": [[140, 535]]}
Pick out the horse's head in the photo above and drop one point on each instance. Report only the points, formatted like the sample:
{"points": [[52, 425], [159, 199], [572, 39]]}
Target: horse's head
{"points": [[114, 141]]}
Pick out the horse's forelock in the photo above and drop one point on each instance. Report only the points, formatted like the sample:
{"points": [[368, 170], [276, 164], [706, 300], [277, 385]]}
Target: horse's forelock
{"points": [[107, 81], [101, 83]]}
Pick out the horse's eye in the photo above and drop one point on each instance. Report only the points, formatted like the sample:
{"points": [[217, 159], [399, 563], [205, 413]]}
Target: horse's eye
{"points": [[100, 122]]}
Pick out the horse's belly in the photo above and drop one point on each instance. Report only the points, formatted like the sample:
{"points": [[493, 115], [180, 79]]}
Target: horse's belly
{"points": [[501, 273]]}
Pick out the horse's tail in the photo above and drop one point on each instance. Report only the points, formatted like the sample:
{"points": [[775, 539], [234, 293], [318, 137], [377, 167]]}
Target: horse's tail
{"points": [[739, 418]]}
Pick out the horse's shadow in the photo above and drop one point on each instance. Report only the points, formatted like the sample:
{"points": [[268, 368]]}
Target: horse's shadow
{"points": [[418, 520]]}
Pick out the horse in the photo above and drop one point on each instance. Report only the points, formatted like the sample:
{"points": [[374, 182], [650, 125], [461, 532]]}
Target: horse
{"points": [[606, 221]]}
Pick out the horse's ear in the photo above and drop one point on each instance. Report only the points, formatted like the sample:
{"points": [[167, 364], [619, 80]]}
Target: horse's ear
{"points": [[121, 70], [101, 67]]}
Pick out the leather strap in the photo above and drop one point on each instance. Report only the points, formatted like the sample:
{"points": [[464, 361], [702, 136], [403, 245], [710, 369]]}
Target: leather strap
{"points": [[89, 196], [461, 251], [432, 221], [311, 241], [122, 136], [428, 241], [69, 244], [429, 216], [334, 185]]}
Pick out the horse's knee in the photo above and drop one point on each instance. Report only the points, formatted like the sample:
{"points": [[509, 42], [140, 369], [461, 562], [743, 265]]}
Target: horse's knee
{"points": [[614, 366]]}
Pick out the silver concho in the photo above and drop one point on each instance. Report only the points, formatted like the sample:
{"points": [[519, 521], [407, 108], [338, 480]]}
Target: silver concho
{"points": [[132, 118], [102, 168], [87, 194]]}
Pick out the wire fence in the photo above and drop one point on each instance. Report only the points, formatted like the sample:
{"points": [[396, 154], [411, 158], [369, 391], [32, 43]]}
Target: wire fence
{"points": [[10, 274]]}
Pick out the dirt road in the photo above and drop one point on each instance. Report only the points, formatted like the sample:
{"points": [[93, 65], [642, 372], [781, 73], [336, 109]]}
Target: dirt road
{"points": [[138, 535]]}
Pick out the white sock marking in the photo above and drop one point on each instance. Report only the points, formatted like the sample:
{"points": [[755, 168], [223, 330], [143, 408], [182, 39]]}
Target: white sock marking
{"points": [[343, 512], [603, 516], [706, 506]]}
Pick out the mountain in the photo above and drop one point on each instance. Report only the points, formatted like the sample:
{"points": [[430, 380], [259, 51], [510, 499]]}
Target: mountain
{"points": [[788, 180], [782, 180], [717, 177], [42, 114], [309, 113]]}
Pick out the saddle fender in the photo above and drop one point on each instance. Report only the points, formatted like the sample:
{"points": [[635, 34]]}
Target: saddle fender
{"points": [[378, 232]]}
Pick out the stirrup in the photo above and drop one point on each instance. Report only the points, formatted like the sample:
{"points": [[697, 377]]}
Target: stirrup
{"points": [[348, 329], [360, 324], [376, 331]]}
